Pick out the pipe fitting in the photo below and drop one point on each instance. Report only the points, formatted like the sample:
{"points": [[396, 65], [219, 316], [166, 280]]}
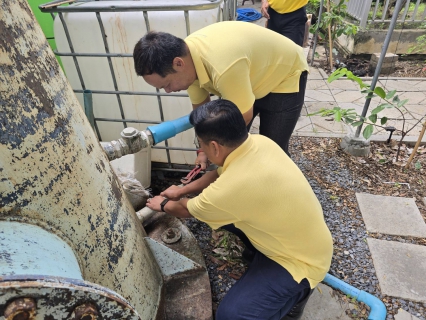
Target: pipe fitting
{"points": [[131, 141], [86, 311], [20, 309]]}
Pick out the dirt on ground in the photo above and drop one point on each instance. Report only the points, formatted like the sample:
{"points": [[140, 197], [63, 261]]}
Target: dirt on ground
{"points": [[405, 67]]}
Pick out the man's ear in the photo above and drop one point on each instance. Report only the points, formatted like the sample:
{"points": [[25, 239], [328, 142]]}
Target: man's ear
{"points": [[178, 62], [217, 150]]}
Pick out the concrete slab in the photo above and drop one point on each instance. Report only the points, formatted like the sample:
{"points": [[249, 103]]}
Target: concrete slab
{"points": [[304, 124], [413, 97], [346, 85], [391, 215], [404, 315], [400, 268], [399, 85], [321, 124], [349, 96], [316, 84], [314, 106], [319, 95], [323, 305]]}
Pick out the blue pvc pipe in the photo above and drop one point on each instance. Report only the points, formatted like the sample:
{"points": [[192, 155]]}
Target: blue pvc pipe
{"points": [[377, 307], [169, 129]]}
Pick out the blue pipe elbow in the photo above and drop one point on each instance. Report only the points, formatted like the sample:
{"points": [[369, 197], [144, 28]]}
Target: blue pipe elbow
{"points": [[377, 307], [169, 129]]}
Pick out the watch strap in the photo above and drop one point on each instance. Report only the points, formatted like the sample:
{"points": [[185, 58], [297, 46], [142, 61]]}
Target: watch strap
{"points": [[163, 203]]}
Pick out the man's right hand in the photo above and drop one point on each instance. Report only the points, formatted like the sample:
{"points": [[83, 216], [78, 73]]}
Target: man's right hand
{"points": [[202, 160], [173, 193], [264, 9]]}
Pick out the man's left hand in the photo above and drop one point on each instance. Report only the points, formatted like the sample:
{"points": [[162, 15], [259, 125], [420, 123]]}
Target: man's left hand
{"points": [[154, 203]]}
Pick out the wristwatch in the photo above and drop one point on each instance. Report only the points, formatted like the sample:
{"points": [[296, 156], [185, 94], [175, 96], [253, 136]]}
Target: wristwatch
{"points": [[163, 203]]}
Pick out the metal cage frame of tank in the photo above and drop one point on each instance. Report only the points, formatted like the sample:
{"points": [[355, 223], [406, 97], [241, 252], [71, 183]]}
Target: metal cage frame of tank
{"points": [[57, 9]]}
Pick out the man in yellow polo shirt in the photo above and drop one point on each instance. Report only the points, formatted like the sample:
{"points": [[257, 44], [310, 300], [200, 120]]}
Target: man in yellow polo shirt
{"points": [[287, 17], [255, 68], [259, 190]]}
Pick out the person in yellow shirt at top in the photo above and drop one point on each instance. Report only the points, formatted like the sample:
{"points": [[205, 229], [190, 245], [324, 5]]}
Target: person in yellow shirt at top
{"points": [[287, 17], [255, 68], [259, 189]]}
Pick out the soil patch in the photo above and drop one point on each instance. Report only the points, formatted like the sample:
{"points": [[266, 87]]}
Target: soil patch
{"points": [[404, 67]]}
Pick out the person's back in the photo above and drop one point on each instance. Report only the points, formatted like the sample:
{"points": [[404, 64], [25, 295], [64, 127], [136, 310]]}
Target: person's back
{"points": [[264, 194], [272, 63]]}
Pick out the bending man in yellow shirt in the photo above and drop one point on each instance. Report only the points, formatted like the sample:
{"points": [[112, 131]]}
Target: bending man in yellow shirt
{"points": [[257, 69], [259, 190]]}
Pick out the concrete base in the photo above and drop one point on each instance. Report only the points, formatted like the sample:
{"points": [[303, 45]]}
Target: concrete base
{"points": [[356, 146]]}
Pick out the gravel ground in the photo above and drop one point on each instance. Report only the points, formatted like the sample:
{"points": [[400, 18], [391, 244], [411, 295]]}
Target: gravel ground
{"points": [[335, 178]]}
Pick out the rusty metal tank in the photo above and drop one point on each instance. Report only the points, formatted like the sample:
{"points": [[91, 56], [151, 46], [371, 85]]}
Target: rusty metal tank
{"points": [[71, 244]]}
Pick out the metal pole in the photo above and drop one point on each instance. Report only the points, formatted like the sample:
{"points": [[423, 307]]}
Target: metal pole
{"points": [[316, 33], [380, 62]]}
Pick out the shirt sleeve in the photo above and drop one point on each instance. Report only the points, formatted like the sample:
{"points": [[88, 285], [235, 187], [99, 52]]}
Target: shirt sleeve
{"points": [[197, 94], [203, 208], [234, 84]]}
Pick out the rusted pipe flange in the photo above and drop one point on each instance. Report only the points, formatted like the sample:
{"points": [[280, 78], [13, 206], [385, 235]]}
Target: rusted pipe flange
{"points": [[20, 309], [86, 311], [171, 235]]}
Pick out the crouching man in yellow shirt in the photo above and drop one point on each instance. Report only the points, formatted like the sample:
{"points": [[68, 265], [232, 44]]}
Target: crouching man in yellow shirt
{"points": [[259, 190]]}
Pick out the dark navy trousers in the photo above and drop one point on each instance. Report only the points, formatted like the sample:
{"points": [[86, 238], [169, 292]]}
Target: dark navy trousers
{"points": [[266, 291], [279, 113]]}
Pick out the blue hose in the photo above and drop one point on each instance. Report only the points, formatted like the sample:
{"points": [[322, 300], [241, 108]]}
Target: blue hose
{"points": [[169, 129], [377, 307], [248, 14]]}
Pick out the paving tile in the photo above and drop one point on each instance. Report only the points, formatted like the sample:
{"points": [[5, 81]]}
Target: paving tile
{"points": [[404, 315], [417, 110], [321, 124], [391, 215], [421, 86], [255, 125], [314, 106], [349, 96], [304, 124], [316, 84], [347, 85], [314, 74], [399, 85], [318, 95], [413, 97], [323, 305], [400, 268]]}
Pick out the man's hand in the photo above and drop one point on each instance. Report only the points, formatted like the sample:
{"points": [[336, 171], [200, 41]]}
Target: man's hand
{"points": [[172, 193], [202, 160], [264, 9], [154, 203]]}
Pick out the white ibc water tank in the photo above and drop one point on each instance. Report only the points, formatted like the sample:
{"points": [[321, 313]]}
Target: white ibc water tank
{"points": [[123, 28]]}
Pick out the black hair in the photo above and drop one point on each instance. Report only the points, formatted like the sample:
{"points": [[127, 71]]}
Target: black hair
{"points": [[155, 51], [220, 121]]}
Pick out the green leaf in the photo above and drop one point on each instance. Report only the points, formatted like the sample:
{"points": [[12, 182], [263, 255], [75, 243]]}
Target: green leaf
{"points": [[337, 74], [357, 123], [402, 102], [368, 131], [338, 116], [377, 109], [373, 118], [418, 165], [380, 92], [390, 94], [383, 121]]}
